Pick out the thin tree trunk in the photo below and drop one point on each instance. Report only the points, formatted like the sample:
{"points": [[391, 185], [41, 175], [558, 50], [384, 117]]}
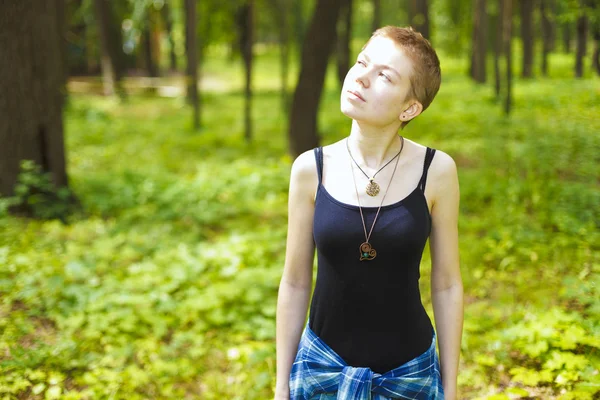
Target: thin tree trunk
{"points": [[478, 55], [596, 54], [147, 41], [110, 47], [32, 124], [191, 51], [168, 19], [419, 17], [582, 32], [320, 38], [343, 40], [281, 16], [246, 25], [547, 33], [566, 37], [376, 24], [526, 7], [76, 33], [507, 24], [299, 27], [498, 47]]}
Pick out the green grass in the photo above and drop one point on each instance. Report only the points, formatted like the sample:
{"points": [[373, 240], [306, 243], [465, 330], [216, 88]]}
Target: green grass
{"points": [[165, 284]]}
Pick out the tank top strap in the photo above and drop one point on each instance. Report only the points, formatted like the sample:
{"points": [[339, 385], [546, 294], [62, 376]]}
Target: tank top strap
{"points": [[319, 159], [428, 157]]}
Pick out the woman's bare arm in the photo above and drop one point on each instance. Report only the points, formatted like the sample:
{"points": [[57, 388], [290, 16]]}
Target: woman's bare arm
{"points": [[296, 282], [446, 281]]}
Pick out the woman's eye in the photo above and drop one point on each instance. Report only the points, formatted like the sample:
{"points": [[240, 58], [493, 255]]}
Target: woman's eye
{"points": [[361, 63], [385, 76]]}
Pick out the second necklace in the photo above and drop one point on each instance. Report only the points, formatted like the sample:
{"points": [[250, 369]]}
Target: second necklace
{"points": [[367, 252], [372, 187]]}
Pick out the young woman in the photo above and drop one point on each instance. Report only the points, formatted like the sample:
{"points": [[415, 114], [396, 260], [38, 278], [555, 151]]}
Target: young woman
{"points": [[368, 203]]}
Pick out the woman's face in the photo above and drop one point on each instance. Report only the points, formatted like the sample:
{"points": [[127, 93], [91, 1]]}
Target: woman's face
{"points": [[375, 88]]}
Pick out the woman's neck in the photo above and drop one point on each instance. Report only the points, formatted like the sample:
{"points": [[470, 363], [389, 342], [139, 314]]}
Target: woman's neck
{"points": [[371, 146]]}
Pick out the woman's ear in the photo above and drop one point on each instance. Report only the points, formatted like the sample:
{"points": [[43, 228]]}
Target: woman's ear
{"points": [[412, 111]]}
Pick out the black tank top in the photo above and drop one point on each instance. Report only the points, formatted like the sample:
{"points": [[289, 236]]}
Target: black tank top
{"points": [[370, 312]]}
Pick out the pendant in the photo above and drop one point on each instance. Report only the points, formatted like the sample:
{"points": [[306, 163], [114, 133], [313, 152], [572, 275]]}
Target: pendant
{"points": [[372, 188], [367, 252]]}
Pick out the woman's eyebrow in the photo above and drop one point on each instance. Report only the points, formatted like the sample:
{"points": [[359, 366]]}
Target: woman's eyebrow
{"points": [[381, 65]]}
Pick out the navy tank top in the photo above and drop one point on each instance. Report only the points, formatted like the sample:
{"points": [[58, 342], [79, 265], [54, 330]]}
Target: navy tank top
{"points": [[370, 312]]}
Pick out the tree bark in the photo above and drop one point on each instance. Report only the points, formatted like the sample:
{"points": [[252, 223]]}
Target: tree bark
{"points": [[76, 33], [582, 33], [298, 24], [33, 75], [110, 47], [151, 67], [566, 37], [343, 40], [280, 10], [168, 19], [507, 25], [246, 40], [419, 17], [320, 38], [191, 51], [596, 54], [547, 34], [526, 7], [376, 24], [498, 48], [478, 55]]}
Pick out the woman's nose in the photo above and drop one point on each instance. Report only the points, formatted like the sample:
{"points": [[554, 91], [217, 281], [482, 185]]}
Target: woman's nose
{"points": [[362, 79]]}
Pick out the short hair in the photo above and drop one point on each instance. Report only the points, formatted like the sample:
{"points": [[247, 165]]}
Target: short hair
{"points": [[426, 77]]}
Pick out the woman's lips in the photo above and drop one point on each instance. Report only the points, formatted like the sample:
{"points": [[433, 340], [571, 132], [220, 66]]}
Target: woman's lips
{"points": [[357, 95]]}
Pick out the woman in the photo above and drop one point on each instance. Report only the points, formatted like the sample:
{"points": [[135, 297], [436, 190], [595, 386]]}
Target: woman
{"points": [[368, 204]]}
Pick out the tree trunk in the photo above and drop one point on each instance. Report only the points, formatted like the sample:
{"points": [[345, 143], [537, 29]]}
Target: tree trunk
{"points": [[566, 37], [596, 54], [547, 34], [110, 47], [498, 47], [191, 52], [582, 32], [320, 38], [343, 40], [168, 19], [151, 67], [280, 9], [478, 55], [246, 39], [32, 125], [299, 27], [376, 24], [76, 33], [419, 17], [526, 7], [507, 24]]}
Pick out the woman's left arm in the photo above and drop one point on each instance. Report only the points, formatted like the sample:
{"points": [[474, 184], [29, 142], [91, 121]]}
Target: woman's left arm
{"points": [[446, 282]]}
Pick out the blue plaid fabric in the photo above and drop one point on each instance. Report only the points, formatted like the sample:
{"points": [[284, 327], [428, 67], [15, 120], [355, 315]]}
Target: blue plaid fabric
{"points": [[319, 373]]}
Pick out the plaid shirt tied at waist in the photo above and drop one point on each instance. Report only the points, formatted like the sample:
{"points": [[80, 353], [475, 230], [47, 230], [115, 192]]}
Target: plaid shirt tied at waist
{"points": [[319, 373]]}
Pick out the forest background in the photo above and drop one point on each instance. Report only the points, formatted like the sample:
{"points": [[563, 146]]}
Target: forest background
{"points": [[145, 152]]}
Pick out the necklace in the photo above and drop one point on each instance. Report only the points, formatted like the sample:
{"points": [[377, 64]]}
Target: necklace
{"points": [[372, 187], [367, 252]]}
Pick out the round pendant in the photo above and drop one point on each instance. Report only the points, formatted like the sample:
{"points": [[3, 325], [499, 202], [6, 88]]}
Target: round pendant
{"points": [[367, 252], [372, 188]]}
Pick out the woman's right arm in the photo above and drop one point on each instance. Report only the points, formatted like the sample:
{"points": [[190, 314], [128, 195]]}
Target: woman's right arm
{"points": [[296, 282]]}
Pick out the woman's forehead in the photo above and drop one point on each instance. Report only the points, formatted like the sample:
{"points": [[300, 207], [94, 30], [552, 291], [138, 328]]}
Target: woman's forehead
{"points": [[382, 50]]}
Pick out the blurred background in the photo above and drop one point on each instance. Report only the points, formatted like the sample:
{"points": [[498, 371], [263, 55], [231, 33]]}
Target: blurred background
{"points": [[145, 152]]}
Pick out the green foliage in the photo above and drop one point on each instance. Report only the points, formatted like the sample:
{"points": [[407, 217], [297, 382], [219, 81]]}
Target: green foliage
{"points": [[35, 195]]}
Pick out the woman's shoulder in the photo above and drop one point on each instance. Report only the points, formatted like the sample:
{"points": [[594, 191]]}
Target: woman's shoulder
{"points": [[441, 160]]}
